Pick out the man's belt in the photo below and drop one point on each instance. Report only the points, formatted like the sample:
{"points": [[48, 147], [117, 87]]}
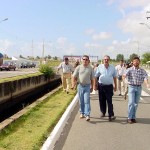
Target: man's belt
{"points": [[134, 85]]}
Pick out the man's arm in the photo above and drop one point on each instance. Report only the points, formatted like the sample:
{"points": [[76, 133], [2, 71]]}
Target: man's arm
{"points": [[146, 82], [74, 82], [115, 84], [95, 82]]}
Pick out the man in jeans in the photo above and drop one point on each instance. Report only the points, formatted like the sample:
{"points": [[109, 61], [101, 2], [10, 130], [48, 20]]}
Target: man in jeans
{"points": [[107, 76], [84, 74], [135, 76]]}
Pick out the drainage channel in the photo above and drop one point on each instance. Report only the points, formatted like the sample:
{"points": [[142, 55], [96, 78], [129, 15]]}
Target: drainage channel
{"points": [[24, 101]]}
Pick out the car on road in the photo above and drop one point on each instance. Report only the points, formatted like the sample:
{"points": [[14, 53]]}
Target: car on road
{"points": [[8, 66], [27, 65]]}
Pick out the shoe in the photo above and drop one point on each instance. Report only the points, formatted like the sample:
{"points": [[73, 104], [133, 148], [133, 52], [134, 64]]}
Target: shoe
{"points": [[67, 92], [133, 120], [120, 95], [102, 115], [82, 116], [87, 118], [124, 97], [129, 121], [112, 118]]}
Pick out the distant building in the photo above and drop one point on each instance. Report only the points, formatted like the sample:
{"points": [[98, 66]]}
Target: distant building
{"points": [[74, 58]]}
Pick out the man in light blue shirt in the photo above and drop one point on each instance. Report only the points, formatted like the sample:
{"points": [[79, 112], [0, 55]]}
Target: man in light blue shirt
{"points": [[107, 76]]}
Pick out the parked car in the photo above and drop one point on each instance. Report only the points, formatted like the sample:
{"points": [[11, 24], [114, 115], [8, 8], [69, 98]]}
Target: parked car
{"points": [[23, 65], [8, 66], [32, 65], [27, 65]]}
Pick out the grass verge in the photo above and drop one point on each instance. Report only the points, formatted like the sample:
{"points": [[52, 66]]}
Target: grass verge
{"points": [[20, 77], [31, 130]]}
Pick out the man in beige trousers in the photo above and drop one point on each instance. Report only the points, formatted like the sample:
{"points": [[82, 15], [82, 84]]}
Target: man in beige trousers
{"points": [[67, 70]]}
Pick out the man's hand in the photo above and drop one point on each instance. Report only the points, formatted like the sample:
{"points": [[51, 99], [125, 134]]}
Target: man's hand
{"points": [[115, 89], [148, 85], [95, 87]]}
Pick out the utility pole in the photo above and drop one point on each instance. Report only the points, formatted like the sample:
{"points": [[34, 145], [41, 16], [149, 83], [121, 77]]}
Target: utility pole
{"points": [[32, 49], [43, 52]]}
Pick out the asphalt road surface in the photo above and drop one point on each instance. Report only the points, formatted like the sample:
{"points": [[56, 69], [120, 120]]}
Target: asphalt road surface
{"points": [[17, 72]]}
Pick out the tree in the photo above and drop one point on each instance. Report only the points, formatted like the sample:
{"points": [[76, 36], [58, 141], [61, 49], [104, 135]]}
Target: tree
{"points": [[37, 57], [55, 58], [120, 57], [49, 57], [132, 56], [146, 57]]}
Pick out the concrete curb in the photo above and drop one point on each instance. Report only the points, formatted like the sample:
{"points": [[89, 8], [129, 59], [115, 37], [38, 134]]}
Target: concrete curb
{"points": [[55, 134]]}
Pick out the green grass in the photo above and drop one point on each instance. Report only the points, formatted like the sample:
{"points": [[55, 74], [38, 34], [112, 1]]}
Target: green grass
{"points": [[31, 130]]}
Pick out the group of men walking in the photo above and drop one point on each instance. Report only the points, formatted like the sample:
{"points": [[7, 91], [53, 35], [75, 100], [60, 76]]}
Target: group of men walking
{"points": [[105, 80]]}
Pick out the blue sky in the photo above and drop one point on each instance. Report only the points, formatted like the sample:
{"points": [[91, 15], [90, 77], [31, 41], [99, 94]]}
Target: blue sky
{"points": [[93, 27]]}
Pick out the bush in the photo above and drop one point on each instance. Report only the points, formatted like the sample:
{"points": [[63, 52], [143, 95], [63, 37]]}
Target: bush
{"points": [[46, 70]]}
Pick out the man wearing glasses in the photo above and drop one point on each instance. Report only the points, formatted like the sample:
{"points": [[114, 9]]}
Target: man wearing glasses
{"points": [[84, 74], [107, 76]]}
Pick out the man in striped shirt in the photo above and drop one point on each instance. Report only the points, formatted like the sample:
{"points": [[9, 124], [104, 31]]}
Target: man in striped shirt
{"points": [[135, 77]]}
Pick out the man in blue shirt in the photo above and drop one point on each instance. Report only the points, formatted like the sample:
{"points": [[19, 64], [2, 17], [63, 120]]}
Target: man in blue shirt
{"points": [[107, 76]]}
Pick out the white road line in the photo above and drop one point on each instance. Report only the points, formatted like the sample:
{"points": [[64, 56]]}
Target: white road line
{"points": [[144, 93], [141, 99]]}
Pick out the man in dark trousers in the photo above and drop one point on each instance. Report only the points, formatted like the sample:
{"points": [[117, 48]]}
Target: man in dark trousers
{"points": [[107, 76]]}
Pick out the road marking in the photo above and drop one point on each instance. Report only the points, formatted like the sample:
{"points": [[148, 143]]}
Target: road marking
{"points": [[141, 99], [144, 93]]}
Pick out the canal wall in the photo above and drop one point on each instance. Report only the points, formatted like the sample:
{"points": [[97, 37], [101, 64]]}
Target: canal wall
{"points": [[16, 91]]}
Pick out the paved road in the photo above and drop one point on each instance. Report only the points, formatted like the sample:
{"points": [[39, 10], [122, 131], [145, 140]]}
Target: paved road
{"points": [[100, 134], [6, 74]]}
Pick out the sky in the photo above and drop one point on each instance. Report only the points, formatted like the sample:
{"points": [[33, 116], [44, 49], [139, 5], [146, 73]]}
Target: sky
{"points": [[65, 27]]}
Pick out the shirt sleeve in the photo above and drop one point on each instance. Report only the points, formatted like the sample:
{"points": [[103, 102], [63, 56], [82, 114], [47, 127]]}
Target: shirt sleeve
{"points": [[76, 72], [60, 66], [145, 75], [97, 72], [127, 72], [115, 73]]}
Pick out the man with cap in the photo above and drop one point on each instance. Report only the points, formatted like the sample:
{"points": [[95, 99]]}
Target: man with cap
{"points": [[67, 69]]}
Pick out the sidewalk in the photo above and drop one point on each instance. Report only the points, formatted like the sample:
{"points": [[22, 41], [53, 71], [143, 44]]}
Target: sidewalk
{"points": [[100, 134]]}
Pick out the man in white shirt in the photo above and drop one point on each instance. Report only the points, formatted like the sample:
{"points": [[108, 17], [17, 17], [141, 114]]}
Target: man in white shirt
{"points": [[120, 71], [67, 69]]}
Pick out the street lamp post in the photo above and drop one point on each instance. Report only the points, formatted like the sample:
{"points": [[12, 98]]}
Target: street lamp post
{"points": [[4, 20], [145, 25]]}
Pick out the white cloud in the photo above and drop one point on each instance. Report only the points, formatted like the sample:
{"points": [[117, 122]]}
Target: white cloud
{"points": [[89, 31], [101, 36], [134, 3], [62, 41], [5, 44]]}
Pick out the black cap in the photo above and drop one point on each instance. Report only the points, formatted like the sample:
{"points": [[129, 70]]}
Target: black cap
{"points": [[66, 58]]}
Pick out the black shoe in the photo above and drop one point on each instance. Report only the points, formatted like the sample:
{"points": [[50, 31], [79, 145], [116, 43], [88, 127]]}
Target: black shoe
{"points": [[120, 95], [133, 120], [112, 118], [102, 115], [67, 92]]}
